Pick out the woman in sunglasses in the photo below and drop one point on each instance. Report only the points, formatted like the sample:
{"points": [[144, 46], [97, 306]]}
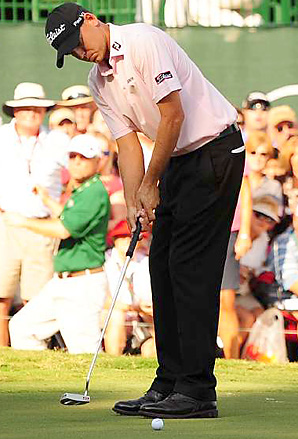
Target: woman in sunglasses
{"points": [[259, 150]]}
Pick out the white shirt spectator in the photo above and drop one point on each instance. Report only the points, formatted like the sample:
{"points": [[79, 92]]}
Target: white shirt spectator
{"points": [[136, 286], [27, 162], [256, 256], [128, 92], [141, 280]]}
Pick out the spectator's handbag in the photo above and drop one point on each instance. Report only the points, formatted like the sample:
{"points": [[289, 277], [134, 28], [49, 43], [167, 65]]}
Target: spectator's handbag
{"points": [[267, 291], [266, 341], [267, 288]]}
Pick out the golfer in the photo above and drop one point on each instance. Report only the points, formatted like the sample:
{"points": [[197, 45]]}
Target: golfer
{"points": [[143, 81]]}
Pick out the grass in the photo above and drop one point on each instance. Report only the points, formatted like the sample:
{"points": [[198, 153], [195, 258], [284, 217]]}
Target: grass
{"points": [[256, 401]]}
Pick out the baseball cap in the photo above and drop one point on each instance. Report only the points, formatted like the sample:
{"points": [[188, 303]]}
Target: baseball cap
{"points": [[282, 113], [58, 116], [86, 145], [63, 29], [254, 97], [267, 206]]}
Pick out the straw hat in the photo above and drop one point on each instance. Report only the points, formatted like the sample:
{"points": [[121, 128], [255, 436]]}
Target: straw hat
{"points": [[75, 95], [27, 94]]}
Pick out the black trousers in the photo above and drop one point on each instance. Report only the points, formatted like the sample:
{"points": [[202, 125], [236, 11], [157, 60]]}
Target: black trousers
{"points": [[199, 192]]}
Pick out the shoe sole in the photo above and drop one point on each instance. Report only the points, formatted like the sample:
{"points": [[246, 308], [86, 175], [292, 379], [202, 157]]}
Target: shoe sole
{"points": [[200, 414], [125, 413]]}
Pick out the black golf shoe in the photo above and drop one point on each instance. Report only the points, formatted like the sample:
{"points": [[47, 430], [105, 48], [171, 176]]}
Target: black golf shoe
{"points": [[178, 406], [132, 406]]}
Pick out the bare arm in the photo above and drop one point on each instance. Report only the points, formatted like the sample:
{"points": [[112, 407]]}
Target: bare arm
{"points": [[244, 242], [141, 191], [172, 117], [131, 166], [49, 227], [54, 206]]}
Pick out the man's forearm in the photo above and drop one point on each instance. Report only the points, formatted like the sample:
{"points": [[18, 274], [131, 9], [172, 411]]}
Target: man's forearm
{"points": [[168, 132], [48, 227], [246, 208], [166, 141], [54, 206], [131, 166]]}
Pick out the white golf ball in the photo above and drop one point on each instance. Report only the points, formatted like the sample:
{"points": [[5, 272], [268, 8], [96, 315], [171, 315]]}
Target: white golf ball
{"points": [[157, 424]]}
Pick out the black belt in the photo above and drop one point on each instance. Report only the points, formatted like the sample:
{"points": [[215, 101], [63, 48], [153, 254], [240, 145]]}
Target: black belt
{"points": [[234, 128]]}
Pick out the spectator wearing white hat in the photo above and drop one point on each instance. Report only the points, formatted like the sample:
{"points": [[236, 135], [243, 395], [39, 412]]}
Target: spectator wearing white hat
{"points": [[264, 218], [255, 109], [73, 299], [63, 119], [78, 98], [30, 156]]}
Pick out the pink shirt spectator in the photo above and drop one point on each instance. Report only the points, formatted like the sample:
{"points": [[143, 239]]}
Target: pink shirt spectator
{"points": [[128, 92]]}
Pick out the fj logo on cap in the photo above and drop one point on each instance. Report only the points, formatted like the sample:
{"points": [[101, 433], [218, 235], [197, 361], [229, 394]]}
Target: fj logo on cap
{"points": [[51, 36], [116, 46], [162, 76]]}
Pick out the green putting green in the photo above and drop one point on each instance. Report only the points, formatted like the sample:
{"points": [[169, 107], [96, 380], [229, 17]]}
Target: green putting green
{"points": [[256, 401]]}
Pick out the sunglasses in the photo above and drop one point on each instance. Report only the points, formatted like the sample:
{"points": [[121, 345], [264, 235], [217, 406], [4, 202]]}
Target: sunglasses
{"points": [[259, 105], [281, 127], [73, 155], [263, 217]]}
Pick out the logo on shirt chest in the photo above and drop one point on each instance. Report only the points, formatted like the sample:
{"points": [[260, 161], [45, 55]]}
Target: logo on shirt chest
{"points": [[162, 76], [70, 203], [116, 46]]}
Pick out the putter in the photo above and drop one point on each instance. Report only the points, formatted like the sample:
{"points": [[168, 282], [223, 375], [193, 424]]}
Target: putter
{"points": [[76, 398]]}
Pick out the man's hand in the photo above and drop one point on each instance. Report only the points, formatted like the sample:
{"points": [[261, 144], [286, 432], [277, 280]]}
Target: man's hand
{"points": [[14, 219], [42, 192], [147, 199], [242, 245]]}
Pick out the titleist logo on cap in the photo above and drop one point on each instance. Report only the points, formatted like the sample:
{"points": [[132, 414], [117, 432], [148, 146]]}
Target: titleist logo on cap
{"points": [[51, 36]]}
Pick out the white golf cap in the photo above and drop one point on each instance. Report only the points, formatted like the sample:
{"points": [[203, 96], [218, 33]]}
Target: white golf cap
{"points": [[86, 145], [58, 116], [268, 206]]}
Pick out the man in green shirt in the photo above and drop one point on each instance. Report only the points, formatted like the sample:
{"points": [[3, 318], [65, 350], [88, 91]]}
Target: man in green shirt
{"points": [[73, 299]]}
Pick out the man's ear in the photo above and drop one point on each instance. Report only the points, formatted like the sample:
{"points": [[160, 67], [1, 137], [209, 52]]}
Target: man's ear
{"points": [[90, 18]]}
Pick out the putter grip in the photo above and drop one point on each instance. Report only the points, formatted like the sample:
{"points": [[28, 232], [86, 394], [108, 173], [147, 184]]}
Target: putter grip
{"points": [[134, 239]]}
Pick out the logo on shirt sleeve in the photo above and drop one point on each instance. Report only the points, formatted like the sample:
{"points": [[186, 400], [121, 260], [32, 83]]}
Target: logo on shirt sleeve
{"points": [[162, 76], [116, 46]]}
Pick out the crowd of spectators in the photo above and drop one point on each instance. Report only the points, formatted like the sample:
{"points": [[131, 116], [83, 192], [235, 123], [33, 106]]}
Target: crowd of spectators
{"points": [[64, 234]]}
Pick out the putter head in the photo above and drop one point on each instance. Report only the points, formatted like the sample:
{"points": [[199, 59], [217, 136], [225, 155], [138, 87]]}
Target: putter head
{"points": [[74, 399]]}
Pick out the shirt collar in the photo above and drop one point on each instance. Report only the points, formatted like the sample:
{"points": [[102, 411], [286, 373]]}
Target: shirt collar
{"points": [[116, 51], [93, 179], [41, 135]]}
